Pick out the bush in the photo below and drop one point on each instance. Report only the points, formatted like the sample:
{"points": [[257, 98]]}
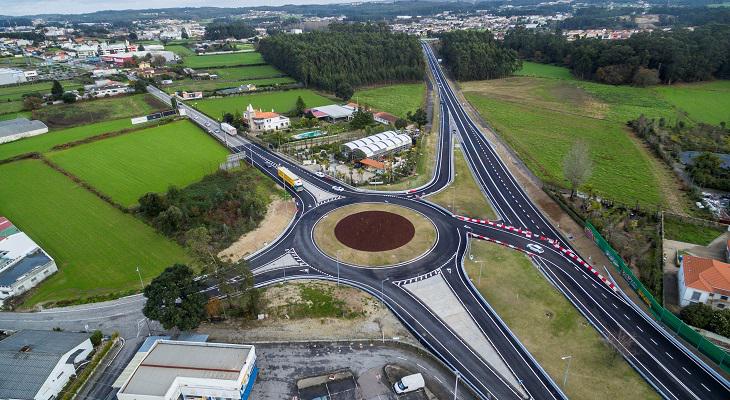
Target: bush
{"points": [[96, 337], [698, 315]]}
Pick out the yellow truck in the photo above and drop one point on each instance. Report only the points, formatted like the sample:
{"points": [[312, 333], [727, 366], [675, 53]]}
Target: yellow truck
{"points": [[290, 179]]}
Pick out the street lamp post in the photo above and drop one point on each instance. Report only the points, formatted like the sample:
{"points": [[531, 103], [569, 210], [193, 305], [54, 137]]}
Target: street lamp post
{"points": [[338, 267], [382, 288], [481, 264], [456, 384], [141, 284], [565, 375]]}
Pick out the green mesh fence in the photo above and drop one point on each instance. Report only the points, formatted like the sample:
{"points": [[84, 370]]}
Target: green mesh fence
{"points": [[671, 321]]}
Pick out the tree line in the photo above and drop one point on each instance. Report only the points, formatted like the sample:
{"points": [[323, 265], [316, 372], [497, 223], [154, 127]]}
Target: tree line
{"points": [[225, 30], [473, 55], [346, 56], [645, 58]]}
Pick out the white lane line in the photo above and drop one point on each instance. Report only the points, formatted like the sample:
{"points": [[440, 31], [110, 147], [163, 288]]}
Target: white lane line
{"points": [[402, 358], [594, 285], [627, 317], [421, 367], [604, 295], [439, 379], [706, 388], [686, 370], [654, 341], [637, 327], [614, 306], [585, 277], [669, 355]]}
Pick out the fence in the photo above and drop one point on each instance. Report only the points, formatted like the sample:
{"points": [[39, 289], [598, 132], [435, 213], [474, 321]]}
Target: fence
{"points": [[676, 325]]}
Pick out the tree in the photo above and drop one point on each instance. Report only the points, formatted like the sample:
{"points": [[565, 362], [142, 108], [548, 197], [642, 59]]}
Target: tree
{"points": [[140, 47], [400, 123], [173, 103], [158, 61], [299, 107], [56, 90], [197, 241], [170, 220], [184, 34], [419, 117], [697, 314], [96, 337], [720, 322], [577, 166], [32, 103], [344, 91], [132, 36], [68, 98], [645, 77], [152, 204], [361, 119], [140, 86], [228, 118], [175, 300]]}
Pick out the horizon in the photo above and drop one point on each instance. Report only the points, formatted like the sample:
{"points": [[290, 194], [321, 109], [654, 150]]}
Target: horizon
{"points": [[15, 8]]}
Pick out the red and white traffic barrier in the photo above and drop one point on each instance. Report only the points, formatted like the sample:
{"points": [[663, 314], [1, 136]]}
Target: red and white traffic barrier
{"points": [[495, 224], [501, 243], [570, 254]]}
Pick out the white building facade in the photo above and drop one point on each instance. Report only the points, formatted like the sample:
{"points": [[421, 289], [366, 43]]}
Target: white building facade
{"points": [[703, 280], [262, 121]]}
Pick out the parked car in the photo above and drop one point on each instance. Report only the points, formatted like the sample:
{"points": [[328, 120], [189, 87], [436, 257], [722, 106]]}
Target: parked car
{"points": [[409, 384]]}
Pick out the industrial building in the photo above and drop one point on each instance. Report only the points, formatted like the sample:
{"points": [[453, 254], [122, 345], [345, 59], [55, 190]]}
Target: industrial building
{"points": [[18, 128], [36, 365], [11, 76], [376, 146], [23, 264], [332, 112], [171, 370]]}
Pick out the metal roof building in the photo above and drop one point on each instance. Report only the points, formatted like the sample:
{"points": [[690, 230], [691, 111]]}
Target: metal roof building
{"points": [[376, 145], [38, 364], [14, 129]]}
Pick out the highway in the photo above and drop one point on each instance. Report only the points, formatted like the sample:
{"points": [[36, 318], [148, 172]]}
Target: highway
{"points": [[670, 368]]}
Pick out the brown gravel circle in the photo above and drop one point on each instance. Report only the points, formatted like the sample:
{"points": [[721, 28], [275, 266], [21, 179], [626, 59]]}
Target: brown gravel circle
{"points": [[374, 231]]}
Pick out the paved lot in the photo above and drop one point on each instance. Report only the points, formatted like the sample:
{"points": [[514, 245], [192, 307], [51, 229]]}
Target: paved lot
{"points": [[281, 365]]}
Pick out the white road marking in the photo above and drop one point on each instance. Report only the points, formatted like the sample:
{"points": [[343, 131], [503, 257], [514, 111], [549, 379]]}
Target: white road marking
{"points": [[402, 358], [706, 388], [627, 317], [654, 341], [604, 295], [686, 370], [669, 355], [421, 367], [637, 327], [614, 306]]}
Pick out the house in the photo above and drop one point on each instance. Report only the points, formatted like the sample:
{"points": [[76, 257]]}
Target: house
{"points": [[23, 264], [260, 121], [703, 280], [36, 365], [172, 370], [373, 165], [18, 128], [190, 95], [385, 118], [107, 88]]}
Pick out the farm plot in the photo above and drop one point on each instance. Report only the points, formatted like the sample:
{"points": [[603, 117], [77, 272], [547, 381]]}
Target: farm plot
{"points": [[126, 167], [223, 60], [395, 99], [282, 102], [212, 85], [250, 72], [96, 246], [91, 111]]}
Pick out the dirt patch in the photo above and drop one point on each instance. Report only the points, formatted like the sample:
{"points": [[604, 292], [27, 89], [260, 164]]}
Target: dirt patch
{"points": [[374, 231], [278, 215]]}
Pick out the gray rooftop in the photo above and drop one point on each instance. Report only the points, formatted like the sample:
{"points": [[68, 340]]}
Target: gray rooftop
{"points": [[30, 262], [23, 372], [19, 125], [335, 111]]}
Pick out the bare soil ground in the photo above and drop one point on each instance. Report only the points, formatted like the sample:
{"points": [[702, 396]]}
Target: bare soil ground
{"points": [[374, 231], [278, 215], [373, 320]]}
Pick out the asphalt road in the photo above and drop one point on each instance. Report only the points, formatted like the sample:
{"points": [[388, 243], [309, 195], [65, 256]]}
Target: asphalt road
{"points": [[673, 371]]}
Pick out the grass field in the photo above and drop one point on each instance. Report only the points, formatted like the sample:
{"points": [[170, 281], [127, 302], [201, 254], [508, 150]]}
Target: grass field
{"points": [[704, 102], [250, 72], [223, 60], [13, 115], [550, 327], [463, 193], [211, 85], [282, 102], [126, 167], [690, 233], [46, 141], [180, 50], [395, 99], [544, 71], [90, 111], [16, 92], [96, 246]]}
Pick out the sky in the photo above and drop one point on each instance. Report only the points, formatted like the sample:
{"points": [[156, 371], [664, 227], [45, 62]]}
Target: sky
{"points": [[30, 7]]}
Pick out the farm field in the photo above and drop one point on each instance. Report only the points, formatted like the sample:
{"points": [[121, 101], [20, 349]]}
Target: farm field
{"points": [[281, 101], [90, 111], [13, 115], [223, 60], [690, 233], [396, 99], [97, 249], [704, 102], [550, 327], [16, 92], [544, 71], [126, 167], [46, 141], [180, 50], [250, 72], [211, 85]]}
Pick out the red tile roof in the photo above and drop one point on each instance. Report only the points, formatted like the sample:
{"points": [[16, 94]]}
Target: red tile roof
{"points": [[706, 274], [386, 116], [372, 163]]}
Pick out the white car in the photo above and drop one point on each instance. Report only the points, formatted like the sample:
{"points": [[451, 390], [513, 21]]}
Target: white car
{"points": [[319, 174], [338, 188], [536, 248]]}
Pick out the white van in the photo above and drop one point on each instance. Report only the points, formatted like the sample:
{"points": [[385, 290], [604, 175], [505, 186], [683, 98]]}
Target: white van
{"points": [[409, 383]]}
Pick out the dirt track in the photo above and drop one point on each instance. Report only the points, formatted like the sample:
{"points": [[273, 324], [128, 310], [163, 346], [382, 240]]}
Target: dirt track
{"points": [[374, 231]]}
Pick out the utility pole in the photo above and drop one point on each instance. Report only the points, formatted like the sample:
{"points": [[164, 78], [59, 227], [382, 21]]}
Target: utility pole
{"points": [[456, 384], [141, 283], [382, 288], [338, 267]]}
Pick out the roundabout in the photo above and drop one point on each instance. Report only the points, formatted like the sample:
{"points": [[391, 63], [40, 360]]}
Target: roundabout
{"points": [[374, 234]]}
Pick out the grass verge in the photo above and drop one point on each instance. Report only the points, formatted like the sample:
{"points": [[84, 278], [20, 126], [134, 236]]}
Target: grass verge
{"points": [[690, 233], [550, 327]]}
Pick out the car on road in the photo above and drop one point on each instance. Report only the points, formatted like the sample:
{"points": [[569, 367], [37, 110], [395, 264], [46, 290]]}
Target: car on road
{"points": [[338, 188], [217, 131], [536, 248], [409, 384], [319, 174]]}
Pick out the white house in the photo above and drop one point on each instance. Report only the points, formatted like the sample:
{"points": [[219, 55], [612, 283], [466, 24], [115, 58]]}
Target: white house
{"points": [[173, 370], [36, 365], [262, 121], [23, 264], [703, 280]]}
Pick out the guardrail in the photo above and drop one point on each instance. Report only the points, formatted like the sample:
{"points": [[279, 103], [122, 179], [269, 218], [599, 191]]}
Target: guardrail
{"points": [[671, 321]]}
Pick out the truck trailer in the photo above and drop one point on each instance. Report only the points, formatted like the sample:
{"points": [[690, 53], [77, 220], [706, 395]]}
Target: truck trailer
{"points": [[229, 129], [290, 179]]}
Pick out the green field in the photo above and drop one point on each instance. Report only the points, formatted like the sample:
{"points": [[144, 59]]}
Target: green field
{"points": [[223, 60], [90, 111], [96, 246], [13, 115], [16, 92], [690, 233], [395, 99], [704, 102], [544, 71], [250, 72], [126, 167], [211, 85], [550, 327], [45, 142], [180, 50], [282, 102]]}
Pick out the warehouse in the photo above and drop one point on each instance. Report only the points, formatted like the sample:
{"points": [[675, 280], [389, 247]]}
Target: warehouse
{"points": [[11, 76], [18, 128], [376, 146], [171, 370]]}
